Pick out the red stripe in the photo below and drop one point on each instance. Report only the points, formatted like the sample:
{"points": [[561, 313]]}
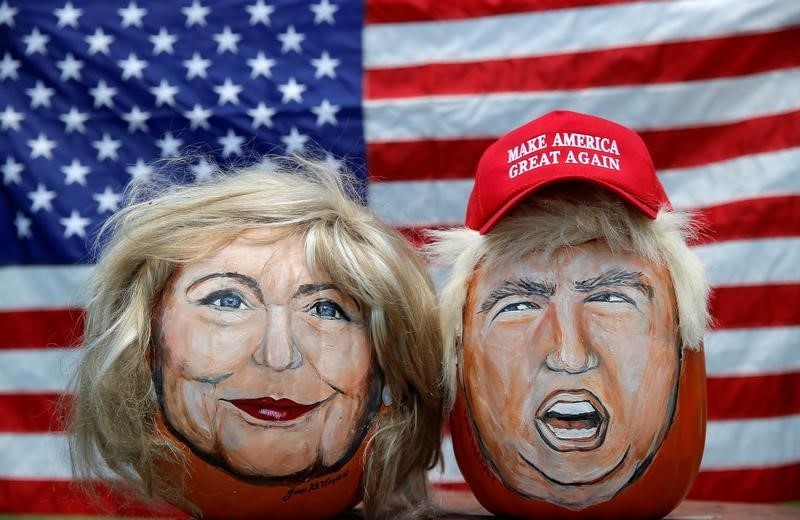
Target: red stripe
{"points": [[768, 217], [753, 397], [688, 61], [65, 498], [397, 11], [755, 306], [676, 148], [41, 328], [780, 484], [29, 413]]}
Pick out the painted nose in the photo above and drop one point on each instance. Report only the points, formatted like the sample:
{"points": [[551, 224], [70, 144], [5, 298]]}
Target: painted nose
{"points": [[277, 349], [570, 348]]}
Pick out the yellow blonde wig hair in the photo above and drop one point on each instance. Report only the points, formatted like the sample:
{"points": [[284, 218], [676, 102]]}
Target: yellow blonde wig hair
{"points": [[166, 225]]}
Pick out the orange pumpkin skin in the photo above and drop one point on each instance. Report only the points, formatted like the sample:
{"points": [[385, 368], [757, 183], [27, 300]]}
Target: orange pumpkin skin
{"points": [[653, 495]]}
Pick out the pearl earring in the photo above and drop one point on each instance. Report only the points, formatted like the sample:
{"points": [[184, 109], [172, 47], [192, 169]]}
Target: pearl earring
{"points": [[386, 396]]}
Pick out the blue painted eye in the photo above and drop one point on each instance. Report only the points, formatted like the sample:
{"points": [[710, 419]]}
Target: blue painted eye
{"points": [[518, 307], [328, 310], [226, 300], [610, 297]]}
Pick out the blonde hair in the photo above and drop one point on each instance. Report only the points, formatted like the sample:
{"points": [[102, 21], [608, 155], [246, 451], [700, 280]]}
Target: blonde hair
{"points": [[557, 219], [113, 423]]}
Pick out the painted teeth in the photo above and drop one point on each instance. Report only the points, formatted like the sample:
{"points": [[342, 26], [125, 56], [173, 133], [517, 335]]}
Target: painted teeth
{"points": [[576, 408], [574, 433]]}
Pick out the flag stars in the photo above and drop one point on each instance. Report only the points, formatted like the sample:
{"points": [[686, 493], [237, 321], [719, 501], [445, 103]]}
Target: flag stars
{"points": [[68, 16], [132, 15], [292, 91], [75, 172], [260, 13], [11, 171], [7, 14], [132, 67], [164, 93], [195, 14], [75, 224], [9, 67], [42, 198], [198, 117], [109, 200], [202, 170], [35, 42], [325, 66], [163, 42], [74, 120], [332, 163], [227, 41], [70, 68], [231, 144], [261, 115], [196, 67], [323, 12], [169, 145], [139, 171], [261, 66], [99, 42], [40, 95], [41, 147], [10, 118], [136, 119], [295, 141], [107, 147], [326, 113], [103, 94], [228, 92], [23, 225], [291, 40]]}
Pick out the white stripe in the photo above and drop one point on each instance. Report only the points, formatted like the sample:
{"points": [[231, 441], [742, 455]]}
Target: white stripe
{"points": [[448, 471], [752, 443], [752, 352], [34, 456], [569, 30], [43, 287], [37, 370], [444, 202], [642, 107], [751, 262]]}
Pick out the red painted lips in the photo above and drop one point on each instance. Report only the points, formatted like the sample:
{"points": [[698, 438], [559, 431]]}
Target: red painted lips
{"points": [[269, 409]]}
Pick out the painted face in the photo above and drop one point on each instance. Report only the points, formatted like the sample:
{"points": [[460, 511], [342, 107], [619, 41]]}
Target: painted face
{"points": [[265, 370], [570, 368]]}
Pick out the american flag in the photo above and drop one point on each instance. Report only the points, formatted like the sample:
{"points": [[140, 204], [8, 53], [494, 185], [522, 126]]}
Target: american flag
{"points": [[92, 93]]}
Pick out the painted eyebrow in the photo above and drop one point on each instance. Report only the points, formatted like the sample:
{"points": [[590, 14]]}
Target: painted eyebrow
{"points": [[519, 287], [616, 278], [241, 278], [308, 288]]}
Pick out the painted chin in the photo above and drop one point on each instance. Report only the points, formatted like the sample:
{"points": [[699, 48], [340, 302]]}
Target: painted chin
{"points": [[572, 420]]}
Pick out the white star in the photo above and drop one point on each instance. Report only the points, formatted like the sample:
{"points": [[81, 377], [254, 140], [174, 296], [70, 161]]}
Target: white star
{"points": [[163, 42], [227, 41], [23, 224], [228, 92], [262, 115], [169, 145], [132, 15], [323, 12], [35, 42], [139, 171], [202, 170], [266, 164], [261, 66], [332, 163], [195, 14], [107, 147], [102, 94], [74, 120], [198, 117], [40, 95], [41, 147], [9, 118], [164, 93], [132, 67], [8, 67], [70, 68], [292, 91], [75, 224], [326, 113], [196, 67], [7, 14], [41, 199], [259, 12], [325, 66], [291, 40], [68, 15], [137, 119], [295, 141], [11, 170], [108, 200], [99, 42], [75, 172], [231, 144]]}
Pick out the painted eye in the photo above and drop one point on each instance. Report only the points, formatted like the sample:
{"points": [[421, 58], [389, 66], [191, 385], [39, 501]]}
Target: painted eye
{"points": [[225, 300], [328, 310], [610, 297], [518, 307]]}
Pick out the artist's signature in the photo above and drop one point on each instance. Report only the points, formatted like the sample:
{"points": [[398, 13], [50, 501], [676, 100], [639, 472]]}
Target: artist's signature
{"points": [[314, 485]]}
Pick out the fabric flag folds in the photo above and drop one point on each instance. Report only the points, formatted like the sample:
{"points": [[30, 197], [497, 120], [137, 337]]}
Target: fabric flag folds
{"points": [[95, 94]]}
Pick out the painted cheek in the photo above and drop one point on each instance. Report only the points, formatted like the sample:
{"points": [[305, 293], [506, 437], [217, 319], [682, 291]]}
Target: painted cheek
{"points": [[342, 357]]}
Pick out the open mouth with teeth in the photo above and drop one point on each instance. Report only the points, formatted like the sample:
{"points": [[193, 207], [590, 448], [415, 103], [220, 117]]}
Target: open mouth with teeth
{"points": [[571, 420]]}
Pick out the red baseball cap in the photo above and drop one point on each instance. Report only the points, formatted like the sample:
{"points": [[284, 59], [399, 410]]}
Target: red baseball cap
{"points": [[563, 146]]}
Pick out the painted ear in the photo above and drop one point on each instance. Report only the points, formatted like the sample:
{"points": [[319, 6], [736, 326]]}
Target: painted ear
{"points": [[386, 396]]}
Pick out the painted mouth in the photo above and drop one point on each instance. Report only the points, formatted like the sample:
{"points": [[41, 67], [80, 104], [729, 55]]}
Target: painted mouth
{"points": [[269, 409], [570, 420]]}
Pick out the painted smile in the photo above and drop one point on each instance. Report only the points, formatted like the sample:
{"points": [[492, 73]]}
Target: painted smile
{"points": [[269, 409], [572, 420]]}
